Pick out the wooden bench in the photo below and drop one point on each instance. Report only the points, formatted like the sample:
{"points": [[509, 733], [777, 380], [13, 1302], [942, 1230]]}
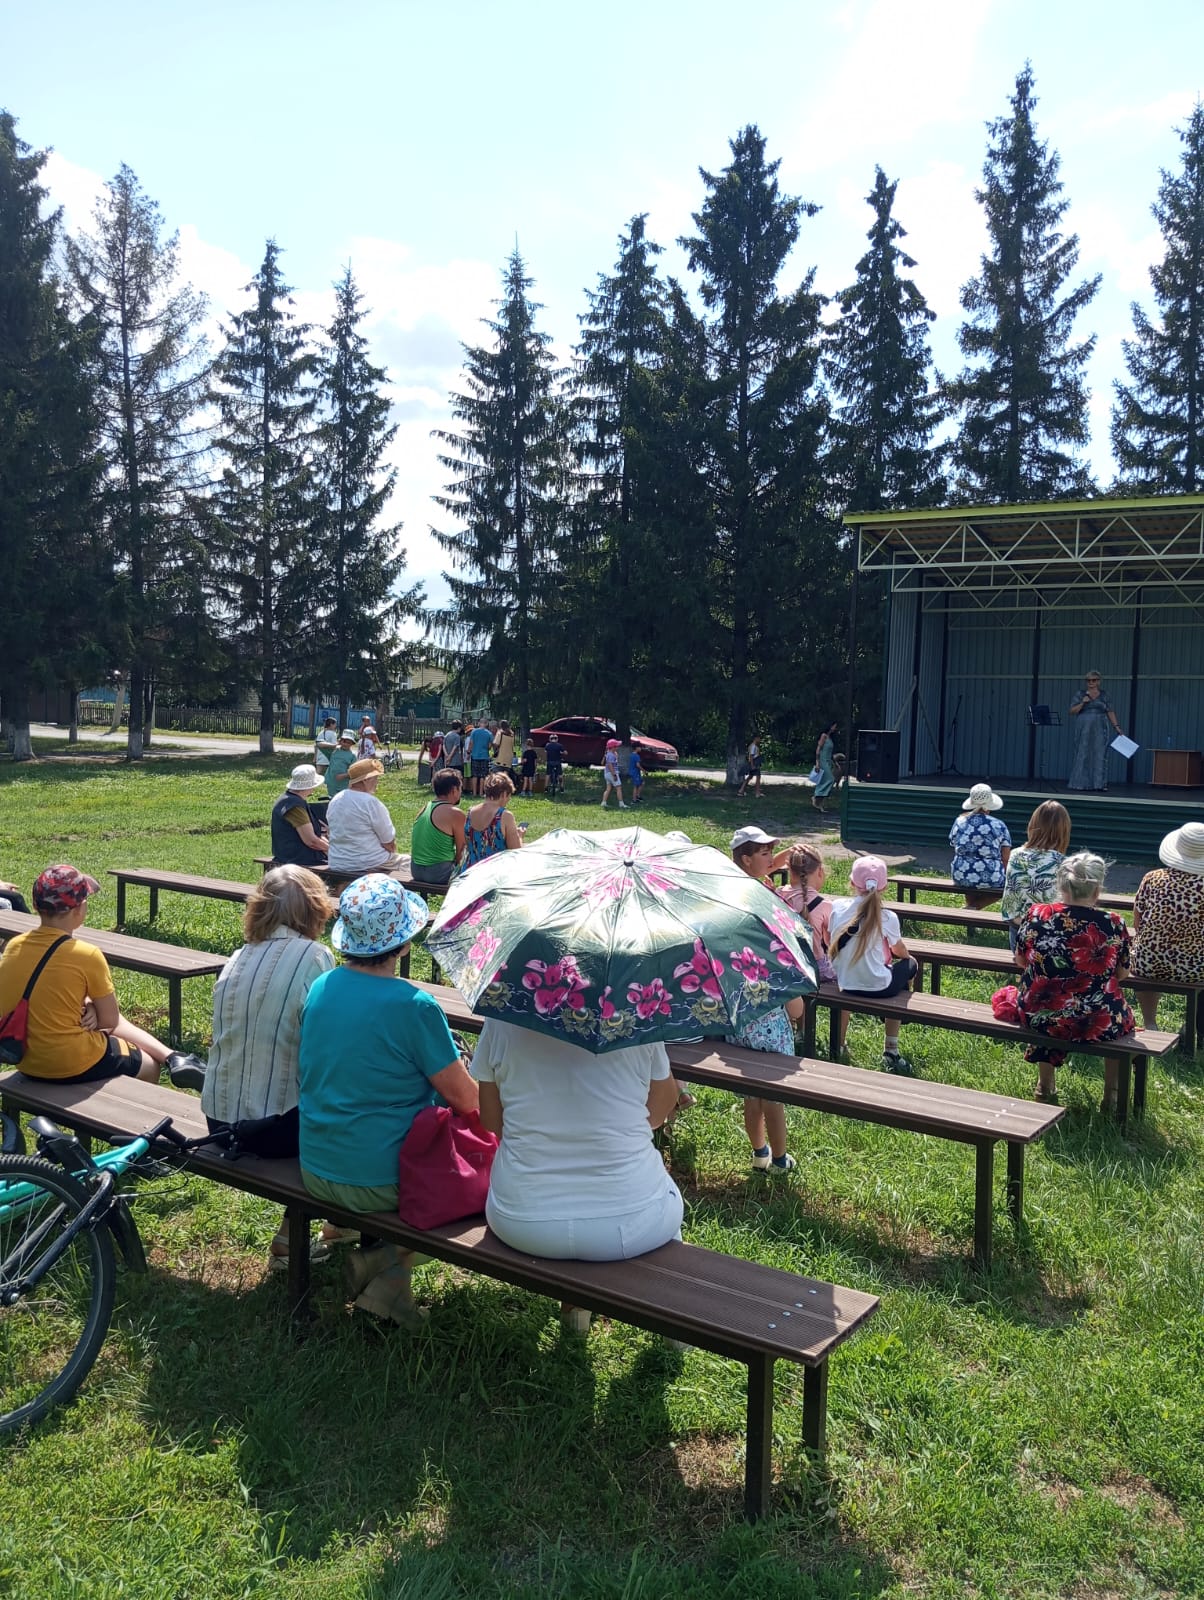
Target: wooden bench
{"points": [[936, 954], [1130, 1054], [914, 882], [174, 883], [169, 961], [426, 890], [740, 1309], [916, 1105]]}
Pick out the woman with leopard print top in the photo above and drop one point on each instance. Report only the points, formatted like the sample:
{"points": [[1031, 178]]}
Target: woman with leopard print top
{"points": [[1168, 917]]}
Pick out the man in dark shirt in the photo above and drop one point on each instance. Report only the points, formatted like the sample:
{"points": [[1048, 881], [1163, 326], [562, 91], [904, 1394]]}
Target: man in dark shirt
{"points": [[297, 836]]}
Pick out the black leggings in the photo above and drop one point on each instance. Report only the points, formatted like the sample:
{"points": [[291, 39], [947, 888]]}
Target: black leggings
{"points": [[902, 971]]}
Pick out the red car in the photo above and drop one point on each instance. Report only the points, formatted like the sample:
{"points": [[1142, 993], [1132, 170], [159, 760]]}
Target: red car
{"points": [[584, 742]]}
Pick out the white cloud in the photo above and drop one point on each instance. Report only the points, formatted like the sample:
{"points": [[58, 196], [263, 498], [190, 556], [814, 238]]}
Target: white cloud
{"points": [[74, 188], [1106, 246], [946, 231]]}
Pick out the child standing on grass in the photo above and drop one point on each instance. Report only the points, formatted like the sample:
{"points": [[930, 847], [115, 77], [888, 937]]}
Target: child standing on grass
{"points": [[765, 1120], [636, 773], [752, 768], [865, 948], [610, 774], [529, 760]]}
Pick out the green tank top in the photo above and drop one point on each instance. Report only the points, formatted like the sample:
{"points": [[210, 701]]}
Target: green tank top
{"points": [[430, 846]]}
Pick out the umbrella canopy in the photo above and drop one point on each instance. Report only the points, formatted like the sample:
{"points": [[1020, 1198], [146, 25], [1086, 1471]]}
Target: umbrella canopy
{"points": [[619, 938]]}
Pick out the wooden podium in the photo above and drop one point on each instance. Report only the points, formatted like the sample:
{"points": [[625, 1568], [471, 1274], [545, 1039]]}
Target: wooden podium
{"points": [[1178, 769]]}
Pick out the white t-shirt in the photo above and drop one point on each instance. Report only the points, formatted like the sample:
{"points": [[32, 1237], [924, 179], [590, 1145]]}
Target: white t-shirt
{"points": [[360, 831], [872, 971], [575, 1138]]}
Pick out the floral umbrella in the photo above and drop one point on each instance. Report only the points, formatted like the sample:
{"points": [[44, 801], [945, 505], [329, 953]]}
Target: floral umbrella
{"points": [[619, 938]]}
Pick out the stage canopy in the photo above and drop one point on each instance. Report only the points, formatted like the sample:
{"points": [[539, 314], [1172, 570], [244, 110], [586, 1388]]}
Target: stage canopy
{"points": [[993, 610]]}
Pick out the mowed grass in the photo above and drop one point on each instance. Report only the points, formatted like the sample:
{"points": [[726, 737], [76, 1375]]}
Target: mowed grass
{"points": [[1034, 1432]]}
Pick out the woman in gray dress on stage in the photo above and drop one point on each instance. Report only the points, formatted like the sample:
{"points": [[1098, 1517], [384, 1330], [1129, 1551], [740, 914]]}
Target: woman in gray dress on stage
{"points": [[1092, 714]]}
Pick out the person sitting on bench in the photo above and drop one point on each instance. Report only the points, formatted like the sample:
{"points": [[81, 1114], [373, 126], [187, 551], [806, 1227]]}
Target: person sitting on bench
{"points": [[11, 898], [868, 953], [362, 835], [298, 838], [75, 1029], [437, 836]]}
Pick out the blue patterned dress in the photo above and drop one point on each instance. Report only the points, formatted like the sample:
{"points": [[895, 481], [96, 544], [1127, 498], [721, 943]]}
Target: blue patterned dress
{"points": [[977, 839]]}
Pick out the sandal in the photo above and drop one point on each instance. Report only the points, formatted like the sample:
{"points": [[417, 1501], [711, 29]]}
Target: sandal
{"points": [[319, 1248], [1046, 1097]]}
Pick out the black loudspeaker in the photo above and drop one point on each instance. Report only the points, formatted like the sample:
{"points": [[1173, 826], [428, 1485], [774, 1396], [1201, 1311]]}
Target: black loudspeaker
{"points": [[878, 755]]}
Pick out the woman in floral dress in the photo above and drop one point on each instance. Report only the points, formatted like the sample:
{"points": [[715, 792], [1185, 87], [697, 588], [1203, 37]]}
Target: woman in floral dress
{"points": [[1074, 958], [981, 847]]}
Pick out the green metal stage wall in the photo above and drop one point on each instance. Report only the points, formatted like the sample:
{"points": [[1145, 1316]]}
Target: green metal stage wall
{"points": [[898, 817]]}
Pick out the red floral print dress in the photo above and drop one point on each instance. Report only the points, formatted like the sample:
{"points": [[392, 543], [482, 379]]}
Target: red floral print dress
{"points": [[1069, 988]]}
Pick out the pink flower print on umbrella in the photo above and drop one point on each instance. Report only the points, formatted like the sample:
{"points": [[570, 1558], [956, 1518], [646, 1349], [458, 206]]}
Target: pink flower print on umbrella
{"points": [[556, 984], [785, 921], [650, 999], [785, 957], [471, 915], [749, 965], [700, 973], [484, 947]]}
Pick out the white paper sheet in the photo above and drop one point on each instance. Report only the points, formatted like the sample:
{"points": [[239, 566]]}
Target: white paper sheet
{"points": [[1125, 747]]}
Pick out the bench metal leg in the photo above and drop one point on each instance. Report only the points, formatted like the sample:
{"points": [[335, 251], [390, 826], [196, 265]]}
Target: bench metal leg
{"points": [[154, 905], [834, 1015], [1117, 1074], [935, 987], [758, 1442], [1141, 1065], [120, 903], [1016, 1181], [815, 1408], [810, 1011], [175, 1013], [984, 1191], [298, 1262]]}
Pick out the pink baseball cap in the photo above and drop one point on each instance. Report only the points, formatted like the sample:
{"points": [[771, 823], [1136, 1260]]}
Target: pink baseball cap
{"points": [[869, 872], [62, 888], [613, 744]]}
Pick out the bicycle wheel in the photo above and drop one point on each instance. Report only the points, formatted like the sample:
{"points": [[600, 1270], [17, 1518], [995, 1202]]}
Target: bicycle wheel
{"points": [[51, 1333]]}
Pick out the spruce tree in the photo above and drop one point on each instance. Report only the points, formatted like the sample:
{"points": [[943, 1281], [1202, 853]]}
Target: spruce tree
{"points": [[880, 367], [152, 375], [261, 514], [773, 546], [56, 581], [1158, 418], [509, 482], [1023, 397], [612, 597], [359, 605]]}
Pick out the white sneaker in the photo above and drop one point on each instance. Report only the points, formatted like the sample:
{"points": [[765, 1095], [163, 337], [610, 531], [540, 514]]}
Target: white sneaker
{"points": [[622, 805]]}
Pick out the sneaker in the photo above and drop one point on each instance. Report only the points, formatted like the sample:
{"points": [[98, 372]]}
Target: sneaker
{"points": [[622, 805], [787, 1163], [185, 1072], [390, 1297], [761, 1159], [575, 1319], [892, 1061]]}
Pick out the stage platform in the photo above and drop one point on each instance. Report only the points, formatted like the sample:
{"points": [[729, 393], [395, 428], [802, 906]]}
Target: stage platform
{"points": [[1126, 824]]}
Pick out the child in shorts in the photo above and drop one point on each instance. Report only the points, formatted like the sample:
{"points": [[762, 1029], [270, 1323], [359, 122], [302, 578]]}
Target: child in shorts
{"points": [[610, 774], [636, 773], [530, 758]]}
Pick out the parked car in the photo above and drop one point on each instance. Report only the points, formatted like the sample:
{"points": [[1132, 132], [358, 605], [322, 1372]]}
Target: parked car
{"points": [[584, 741]]}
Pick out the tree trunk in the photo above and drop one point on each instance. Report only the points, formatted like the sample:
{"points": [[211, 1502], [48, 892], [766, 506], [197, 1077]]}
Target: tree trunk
{"points": [[134, 734], [19, 710], [267, 713], [73, 726], [149, 694]]}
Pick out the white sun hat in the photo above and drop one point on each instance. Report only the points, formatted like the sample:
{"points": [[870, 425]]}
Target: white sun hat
{"points": [[982, 798], [1184, 849]]}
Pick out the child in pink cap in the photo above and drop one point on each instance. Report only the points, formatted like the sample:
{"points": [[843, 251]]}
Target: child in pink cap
{"points": [[610, 774], [867, 952]]}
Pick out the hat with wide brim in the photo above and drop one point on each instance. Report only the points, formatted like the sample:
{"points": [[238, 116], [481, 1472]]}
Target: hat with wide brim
{"points": [[1184, 849], [360, 771], [304, 777], [982, 798], [377, 914]]}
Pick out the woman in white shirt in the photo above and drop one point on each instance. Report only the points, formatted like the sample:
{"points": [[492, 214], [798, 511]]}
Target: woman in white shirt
{"points": [[868, 953], [576, 1175], [362, 835]]}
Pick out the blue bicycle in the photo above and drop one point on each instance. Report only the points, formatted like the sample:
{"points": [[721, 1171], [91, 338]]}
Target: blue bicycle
{"points": [[62, 1221]]}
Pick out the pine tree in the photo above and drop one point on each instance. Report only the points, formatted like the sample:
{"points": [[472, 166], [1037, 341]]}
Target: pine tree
{"points": [[613, 596], [261, 514], [1158, 418], [772, 544], [1023, 397], [880, 366], [360, 605], [152, 377], [56, 582], [508, 489]]}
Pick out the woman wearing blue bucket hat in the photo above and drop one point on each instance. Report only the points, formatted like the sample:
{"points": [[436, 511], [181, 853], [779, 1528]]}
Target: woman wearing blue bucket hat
{"points": [[373, 1055]]}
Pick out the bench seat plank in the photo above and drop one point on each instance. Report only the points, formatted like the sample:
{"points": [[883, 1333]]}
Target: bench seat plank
{"points": [[738, 1308], [914, 882]]}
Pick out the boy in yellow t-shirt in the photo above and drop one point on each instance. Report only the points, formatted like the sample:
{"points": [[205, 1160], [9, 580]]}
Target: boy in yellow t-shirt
{"points": [[75, 1028]]}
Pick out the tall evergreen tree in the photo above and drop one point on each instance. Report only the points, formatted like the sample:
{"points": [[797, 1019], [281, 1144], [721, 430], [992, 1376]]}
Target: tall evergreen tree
{"points": [[261, 513], [765, 425], [1023, 397], [152, 381], [613, 605], [509, 470], [1158, 418], [880, 366], [361, 605], [54, 573]]}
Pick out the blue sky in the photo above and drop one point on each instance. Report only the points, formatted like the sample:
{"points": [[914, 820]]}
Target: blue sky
{"points": [[420, 141]]}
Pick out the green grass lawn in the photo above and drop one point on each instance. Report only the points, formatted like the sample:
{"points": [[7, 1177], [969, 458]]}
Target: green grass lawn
{"points": [[1036, 1432]]}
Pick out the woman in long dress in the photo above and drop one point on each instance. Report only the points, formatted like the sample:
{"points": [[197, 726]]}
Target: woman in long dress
{"points": [[824, 752], [1092, 713]]}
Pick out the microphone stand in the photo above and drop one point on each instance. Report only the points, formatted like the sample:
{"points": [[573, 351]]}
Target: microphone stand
{"points": [[952, 766]]}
